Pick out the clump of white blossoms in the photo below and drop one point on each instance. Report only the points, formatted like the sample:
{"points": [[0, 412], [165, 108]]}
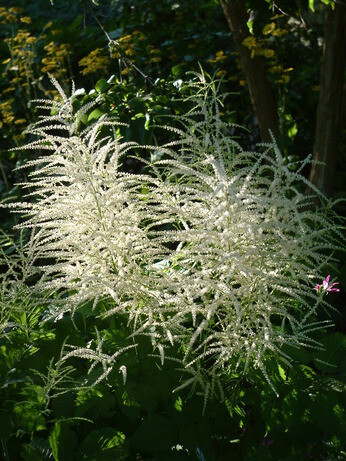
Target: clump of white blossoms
{"points": [[88, 211], [248, 246], [220, 256]]}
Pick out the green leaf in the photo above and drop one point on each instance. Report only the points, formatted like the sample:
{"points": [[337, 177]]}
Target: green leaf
{"points": [[329, 2], [84, 119], [137, 104], [311, 5], [103, 444], [292, 131], [282, 373], [67, 443], [250, 26], [95, 114], [37, 450], [54, 440], [177, 69], [178, 404], [102, 86]]}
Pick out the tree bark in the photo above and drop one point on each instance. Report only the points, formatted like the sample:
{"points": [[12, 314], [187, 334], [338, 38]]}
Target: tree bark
{"points": [[261, 93], [329, 109]]}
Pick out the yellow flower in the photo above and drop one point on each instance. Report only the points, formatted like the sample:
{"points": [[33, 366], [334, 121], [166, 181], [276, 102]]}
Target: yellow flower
{"points": [[26, 20], [220, 56], [130, 51], [15, 9], [268, 29], [55, 60], [8, 118], [250, 42], [280, 32], [125, 71], [155, 59], [221, 73], [283, 80], [9, 90], [268, 53]]}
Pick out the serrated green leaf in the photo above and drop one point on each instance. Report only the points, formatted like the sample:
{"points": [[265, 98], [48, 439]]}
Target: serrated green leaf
{"points": [[54, 440], [103, 444]]}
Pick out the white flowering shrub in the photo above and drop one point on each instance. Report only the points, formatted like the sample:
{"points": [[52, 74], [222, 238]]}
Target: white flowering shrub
{"points": [[214, 250], [88, 211]]}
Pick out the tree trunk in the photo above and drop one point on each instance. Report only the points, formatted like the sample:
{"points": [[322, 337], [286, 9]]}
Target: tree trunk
{"points": [[261, 93], [330, 100]]}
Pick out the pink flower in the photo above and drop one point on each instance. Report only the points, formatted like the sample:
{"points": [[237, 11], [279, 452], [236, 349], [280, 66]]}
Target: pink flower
{"points": [[326, 286]]}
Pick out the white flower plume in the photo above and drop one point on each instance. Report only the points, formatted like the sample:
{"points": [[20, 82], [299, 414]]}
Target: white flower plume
{"points": [[220, 255]]}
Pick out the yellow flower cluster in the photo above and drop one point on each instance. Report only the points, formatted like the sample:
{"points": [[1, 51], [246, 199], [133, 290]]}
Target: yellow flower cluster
{"points": [[22, 70], [6, 110], [262, 48], [257, 47], [10, 15], [126, 50], [154, 54], [219, 57], [56, 59], [96, 61], [271, 29], [127, 45], [21, 64]]}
